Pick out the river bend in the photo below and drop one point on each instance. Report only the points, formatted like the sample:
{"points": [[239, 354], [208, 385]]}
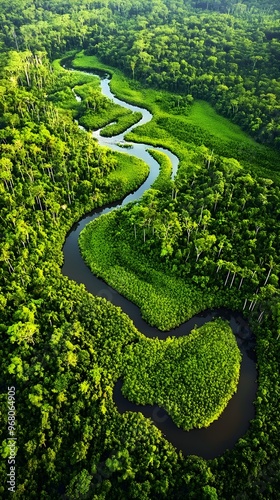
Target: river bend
{"points": [[234, 421]]}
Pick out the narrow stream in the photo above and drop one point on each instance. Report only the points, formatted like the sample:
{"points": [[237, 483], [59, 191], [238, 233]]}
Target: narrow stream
{"points": [[234, 421]]}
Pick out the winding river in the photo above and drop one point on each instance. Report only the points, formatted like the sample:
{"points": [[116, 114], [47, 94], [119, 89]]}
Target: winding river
{"points": [[234, 421]]}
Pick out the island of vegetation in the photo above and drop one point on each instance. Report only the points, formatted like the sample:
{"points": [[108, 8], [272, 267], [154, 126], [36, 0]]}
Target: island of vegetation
{"points": [[208, 71], [192, 377]]}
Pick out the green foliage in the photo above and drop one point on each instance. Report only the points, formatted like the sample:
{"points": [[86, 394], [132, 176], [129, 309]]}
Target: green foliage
{"points": [[192, 377], [122, 123], [165, 300], [204, 116], [64, 349], [129, 175], [52, 329], [187, 130], [94, 110], [163, 181]]}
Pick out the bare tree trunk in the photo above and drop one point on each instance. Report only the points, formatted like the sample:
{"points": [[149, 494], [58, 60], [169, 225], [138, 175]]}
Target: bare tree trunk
{"points": [[240, 284], [225, 283], [260, 316], [253, 307], [232, 281], [267, 278]]}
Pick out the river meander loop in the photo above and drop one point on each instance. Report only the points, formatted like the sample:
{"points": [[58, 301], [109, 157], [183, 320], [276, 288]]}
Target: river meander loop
{"points": [[234, 421]]}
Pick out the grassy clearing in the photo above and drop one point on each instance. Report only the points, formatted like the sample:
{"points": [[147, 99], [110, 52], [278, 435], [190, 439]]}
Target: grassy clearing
{"points": [[192, 377], [204, 115]]}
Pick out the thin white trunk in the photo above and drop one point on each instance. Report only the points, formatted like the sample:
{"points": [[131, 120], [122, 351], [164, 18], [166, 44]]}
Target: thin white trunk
{"points": [[11, 269], [38, 199], [245, 302], [240, 284], [267, 278], [200, 217], [187, 256], [52, 175], [260, 316], [225, 283], [68, 189], [220, 251], [215, 206], [27, 77], [232, 281], [252, 302], [253, 307], [197, 254]]}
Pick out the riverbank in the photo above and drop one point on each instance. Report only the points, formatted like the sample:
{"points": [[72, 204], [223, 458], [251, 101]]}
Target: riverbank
{"points": [[112, 295]]}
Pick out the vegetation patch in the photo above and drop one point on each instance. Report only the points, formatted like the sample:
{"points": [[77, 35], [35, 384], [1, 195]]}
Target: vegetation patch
{"points": [[203, 115], [192, 378], [129, 174], [165, 301], [122, 124], [163, 181], [94, 119]]}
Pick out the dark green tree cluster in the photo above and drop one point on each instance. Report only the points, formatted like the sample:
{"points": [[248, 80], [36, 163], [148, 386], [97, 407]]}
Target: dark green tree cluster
{"points": [[216, 222]]}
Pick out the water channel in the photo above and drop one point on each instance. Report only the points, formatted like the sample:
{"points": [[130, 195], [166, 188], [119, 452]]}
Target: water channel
{"points": [[234, 421]]}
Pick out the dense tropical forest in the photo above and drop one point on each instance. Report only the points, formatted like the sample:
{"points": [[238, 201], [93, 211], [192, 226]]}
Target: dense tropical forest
{"points": [[208, 72]]}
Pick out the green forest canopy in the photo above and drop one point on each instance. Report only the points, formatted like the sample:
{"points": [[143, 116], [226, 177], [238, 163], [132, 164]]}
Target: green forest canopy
{"points": [[63, 349]]}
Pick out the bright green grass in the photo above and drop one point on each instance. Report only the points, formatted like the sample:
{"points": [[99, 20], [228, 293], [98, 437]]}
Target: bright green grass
{"points": [[94, 120], [162, 182], [89, 62], [192, 377], [204, 115], [122, 124]]}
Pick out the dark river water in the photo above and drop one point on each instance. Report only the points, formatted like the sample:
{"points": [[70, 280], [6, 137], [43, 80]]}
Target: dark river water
{"points": [[235, 419]]}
